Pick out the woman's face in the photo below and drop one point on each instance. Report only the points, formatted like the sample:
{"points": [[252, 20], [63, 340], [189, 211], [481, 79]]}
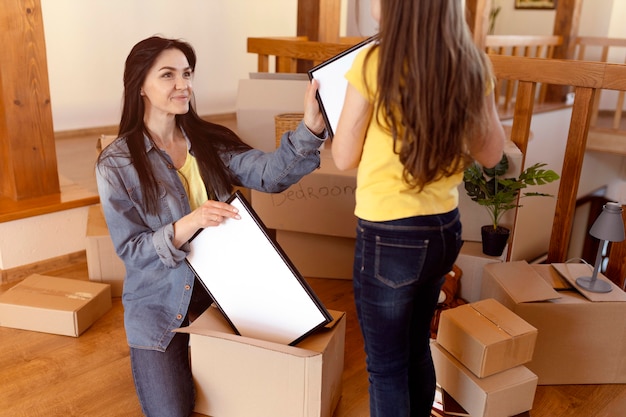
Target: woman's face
{"points": [[167, 87]]}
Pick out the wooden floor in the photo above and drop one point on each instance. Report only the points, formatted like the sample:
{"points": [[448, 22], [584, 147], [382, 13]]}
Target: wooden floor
{"points": [[49, 375]]}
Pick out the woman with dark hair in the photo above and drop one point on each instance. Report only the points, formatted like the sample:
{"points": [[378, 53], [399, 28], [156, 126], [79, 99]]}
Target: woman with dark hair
{"points": [[165, 177], [418, 109]]}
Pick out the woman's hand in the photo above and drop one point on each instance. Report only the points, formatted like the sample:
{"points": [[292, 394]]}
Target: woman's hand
{"points": [[210, 214], [312, 116]]}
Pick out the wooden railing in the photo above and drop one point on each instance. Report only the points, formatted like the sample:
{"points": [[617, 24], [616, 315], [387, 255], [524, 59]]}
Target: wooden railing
{"points": [[607, 128], [608, 125], [527, 46], [285, 52]]}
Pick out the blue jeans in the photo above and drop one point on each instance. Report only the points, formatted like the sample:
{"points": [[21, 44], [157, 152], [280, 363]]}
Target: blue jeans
{"points": [[399, 268], [163, 379]]}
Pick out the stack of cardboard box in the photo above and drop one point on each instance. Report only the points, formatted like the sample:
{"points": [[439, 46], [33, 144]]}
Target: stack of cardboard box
{"points": [[479, 357]]}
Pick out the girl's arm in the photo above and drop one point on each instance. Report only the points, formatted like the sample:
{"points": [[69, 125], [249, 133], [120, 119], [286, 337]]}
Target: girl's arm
{"points": [[347, 144], [487, 150]]}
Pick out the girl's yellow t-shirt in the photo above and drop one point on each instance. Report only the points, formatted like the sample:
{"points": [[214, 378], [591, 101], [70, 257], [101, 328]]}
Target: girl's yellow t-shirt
{"points": [[381, 192]]}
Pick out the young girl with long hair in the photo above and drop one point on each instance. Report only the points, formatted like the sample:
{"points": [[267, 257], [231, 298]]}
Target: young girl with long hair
{"points": [[419, 107]]}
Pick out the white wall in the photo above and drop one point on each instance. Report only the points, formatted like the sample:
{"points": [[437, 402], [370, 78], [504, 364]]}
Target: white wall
{"points": [[597, 18], [87, 43]]}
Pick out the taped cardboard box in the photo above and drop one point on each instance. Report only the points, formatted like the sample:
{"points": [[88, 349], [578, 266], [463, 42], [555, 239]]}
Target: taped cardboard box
{"points": [[103, 264], [54, 305], [579, 341], [237, 376], [486, 337], [506, 393]]}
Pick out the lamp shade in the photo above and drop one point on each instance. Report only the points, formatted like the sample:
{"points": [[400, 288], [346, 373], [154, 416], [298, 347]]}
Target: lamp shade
{"points": [[610, 224]]}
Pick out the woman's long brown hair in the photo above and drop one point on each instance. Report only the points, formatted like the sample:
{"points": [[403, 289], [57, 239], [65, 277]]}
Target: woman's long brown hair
{"points": [[432, 81]]}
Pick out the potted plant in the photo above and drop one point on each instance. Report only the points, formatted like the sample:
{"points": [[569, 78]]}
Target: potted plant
{"points": [[491, 189]]}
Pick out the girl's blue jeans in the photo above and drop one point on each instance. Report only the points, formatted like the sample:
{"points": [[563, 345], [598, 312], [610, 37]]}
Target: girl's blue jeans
{"points": [[399, 268]]}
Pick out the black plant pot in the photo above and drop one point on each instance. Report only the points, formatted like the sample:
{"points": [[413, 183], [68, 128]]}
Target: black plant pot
{"points": [[494, 240]]}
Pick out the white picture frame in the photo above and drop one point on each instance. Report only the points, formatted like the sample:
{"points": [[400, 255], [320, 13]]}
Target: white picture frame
{"points": [[331, 91], [253, 282]]}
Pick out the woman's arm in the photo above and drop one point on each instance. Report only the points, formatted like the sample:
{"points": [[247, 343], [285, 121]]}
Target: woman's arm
{"points": [[348, 141]]}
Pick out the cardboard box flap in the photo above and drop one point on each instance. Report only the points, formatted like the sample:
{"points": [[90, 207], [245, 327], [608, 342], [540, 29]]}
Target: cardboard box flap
{"points": [[521, 282], [571, 272], [212, 323], [552, 277], [36, 291], [503, 318]]}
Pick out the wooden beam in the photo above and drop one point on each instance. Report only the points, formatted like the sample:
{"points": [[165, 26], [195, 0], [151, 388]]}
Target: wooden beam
{"points": [[566, 24], [28, 165], [477, 17], [318, 20]]}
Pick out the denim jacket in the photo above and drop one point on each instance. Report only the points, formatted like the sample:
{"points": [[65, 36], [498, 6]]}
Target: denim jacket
{"points": [[158, 282]]}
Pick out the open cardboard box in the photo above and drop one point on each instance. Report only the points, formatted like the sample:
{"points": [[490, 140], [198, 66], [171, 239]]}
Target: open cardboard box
{"points": [[506, 393], [237, 376], [579, 341], [54, 305], [486, 337]]}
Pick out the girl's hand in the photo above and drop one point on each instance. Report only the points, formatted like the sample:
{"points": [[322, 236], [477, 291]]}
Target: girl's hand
{"points": [[312, 116]]}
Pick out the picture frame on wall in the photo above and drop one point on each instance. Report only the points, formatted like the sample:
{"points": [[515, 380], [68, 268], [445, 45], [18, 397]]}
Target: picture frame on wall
{"points": [[535, 4]]}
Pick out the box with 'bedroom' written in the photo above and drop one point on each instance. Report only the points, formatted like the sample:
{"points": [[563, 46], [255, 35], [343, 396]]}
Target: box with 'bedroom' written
{"points": [[238, 376]]}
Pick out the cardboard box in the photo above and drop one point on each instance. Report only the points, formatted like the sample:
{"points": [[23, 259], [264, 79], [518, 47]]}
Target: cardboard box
{"points": [[103, 264], [506, 393], [320, 203], [579, 341], [318, 256], [54, 305], [237, 376], [486, 337]]}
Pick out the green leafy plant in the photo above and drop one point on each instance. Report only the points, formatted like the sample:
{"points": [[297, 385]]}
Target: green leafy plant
{"points": [[489, 188]]}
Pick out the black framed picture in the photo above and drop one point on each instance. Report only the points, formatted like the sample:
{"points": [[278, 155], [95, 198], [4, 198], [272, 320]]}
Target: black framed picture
{"points": [[332, 83], [253, 282]]}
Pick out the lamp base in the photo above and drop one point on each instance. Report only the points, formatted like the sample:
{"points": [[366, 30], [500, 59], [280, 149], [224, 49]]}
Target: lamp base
{"points": [[594, 285]]}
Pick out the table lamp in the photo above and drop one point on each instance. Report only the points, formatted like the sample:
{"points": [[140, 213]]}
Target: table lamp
{"points": [[608, 226]]}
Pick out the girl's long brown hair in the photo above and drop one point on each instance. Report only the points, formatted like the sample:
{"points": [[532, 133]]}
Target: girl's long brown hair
{"points": [[432, 80]]}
